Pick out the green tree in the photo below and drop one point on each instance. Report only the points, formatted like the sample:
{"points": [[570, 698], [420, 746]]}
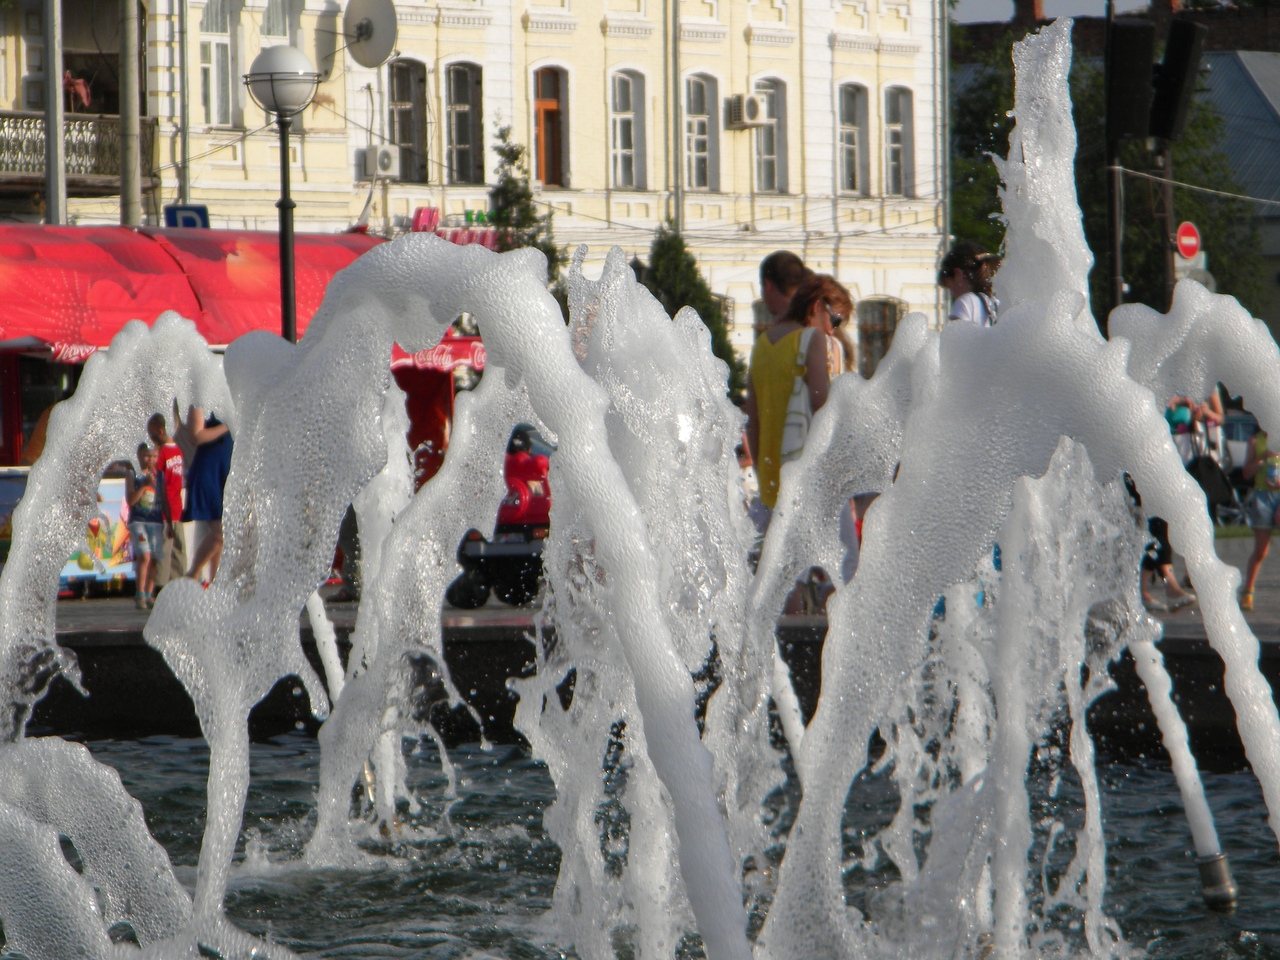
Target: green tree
{"points": [[981, 125], [673, 278], [511, 205]]}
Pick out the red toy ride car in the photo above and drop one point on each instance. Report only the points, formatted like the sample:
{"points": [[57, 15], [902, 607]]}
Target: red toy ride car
{"points": [[511, 563]]}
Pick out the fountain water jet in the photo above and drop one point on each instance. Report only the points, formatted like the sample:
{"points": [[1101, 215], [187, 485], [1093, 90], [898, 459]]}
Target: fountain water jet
{"points": [[648, 588]]}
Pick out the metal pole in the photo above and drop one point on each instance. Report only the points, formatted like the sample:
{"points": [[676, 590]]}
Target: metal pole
{"points": [[288, 320], [1115, 211], [55, 151], [1170, 224], [130, 117], [184, 109], [677, 139], [944, 147], [1115, 208]]}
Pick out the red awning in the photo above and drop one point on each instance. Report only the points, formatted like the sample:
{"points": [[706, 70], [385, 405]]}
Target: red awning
{"points": [[80, 285], [73, 288], [236, 275]]}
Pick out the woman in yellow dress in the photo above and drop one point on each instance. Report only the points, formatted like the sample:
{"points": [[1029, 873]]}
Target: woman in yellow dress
{"points": [[774, 367]]}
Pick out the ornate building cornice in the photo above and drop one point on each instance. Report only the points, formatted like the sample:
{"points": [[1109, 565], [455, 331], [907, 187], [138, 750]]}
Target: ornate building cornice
{"points": [[759, 34], [549, 21], [630, 27], [842, 40], [695, 32], [908, 48]]}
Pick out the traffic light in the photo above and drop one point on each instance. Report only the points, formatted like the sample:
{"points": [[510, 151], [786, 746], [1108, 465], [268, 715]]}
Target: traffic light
{"points": [[1176, 79], [1130, 51]]}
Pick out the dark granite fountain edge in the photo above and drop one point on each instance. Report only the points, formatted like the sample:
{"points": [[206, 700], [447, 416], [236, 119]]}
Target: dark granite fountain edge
{"points": [[135, 695]]}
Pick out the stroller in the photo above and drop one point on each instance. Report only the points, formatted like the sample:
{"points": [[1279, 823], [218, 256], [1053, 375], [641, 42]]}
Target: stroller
{"points": [[1225, 507]]}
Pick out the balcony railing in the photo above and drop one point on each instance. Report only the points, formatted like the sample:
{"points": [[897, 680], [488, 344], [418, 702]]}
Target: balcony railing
{"points": [[92, 151]]}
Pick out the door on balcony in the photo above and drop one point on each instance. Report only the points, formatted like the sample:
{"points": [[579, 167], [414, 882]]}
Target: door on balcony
{"points": [[90, 73]]}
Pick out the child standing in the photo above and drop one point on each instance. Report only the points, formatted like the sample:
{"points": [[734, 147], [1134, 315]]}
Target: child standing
{"points": [[146, 524]]}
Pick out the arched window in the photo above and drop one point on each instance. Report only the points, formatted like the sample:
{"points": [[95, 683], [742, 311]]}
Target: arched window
{"points": [[878, 319], [550, 129], [771, 138], [899, 144], [627, 130], [852, 144], [463, 103], [407, 113], [701, 133], [215, 62]]}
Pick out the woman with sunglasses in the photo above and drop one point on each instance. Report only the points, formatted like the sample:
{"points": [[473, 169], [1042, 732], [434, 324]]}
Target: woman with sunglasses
{"points": [[966, 272]]}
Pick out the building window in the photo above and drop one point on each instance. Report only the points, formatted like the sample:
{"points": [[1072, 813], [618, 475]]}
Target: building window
{"points": [[549, 126], [407, 115], [701, 134], [275, 22], [627, 130], [215, 62], [878, 319], [771, 139], [899, 149], [463, 111], [853, 139]]}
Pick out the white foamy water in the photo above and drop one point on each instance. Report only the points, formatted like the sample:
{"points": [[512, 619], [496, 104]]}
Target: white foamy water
{"points": [[662, 758]]}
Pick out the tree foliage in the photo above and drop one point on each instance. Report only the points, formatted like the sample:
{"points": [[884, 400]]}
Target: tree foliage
{"points": [[673, 278], [511, 206], [981, 125]]}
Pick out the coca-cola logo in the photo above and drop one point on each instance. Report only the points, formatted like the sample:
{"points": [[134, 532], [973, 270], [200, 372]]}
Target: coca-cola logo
{"points": [[72, 352], [447, 355]]}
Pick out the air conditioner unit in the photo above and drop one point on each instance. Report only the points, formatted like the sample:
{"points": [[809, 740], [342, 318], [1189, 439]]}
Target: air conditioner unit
{"points": [[748, 110], [382, 161]]}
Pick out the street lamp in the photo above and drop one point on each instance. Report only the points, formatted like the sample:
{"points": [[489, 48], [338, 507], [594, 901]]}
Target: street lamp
{"points": [[282, 81]]}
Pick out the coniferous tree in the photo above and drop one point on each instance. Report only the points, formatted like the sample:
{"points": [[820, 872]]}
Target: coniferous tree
{"points": [[511, 206], [673, 278]]}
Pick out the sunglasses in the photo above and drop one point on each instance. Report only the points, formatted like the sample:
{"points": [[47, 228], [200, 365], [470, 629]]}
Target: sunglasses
{"points": [[836, 318]]}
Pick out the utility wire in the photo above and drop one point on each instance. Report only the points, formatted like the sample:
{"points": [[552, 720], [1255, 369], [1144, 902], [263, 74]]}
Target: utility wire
{"points": [[1192, 186]]}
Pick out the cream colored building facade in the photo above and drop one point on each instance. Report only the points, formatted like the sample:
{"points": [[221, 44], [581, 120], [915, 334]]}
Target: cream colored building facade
{"points": [[810, 125]]}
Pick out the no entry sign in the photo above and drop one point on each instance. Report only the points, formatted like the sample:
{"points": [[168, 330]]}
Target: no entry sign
{"points": [[1188, 240]]}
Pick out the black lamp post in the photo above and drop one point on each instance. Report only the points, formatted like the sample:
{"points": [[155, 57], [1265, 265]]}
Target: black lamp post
{"points": [[282, 81]]}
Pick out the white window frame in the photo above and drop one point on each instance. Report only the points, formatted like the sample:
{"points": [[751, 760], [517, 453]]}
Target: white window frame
{"points": [[702, 134], [275, 19], [627, 152], [217, 64], [771, 138], [851, 138], [622, 131], [899, 143]]}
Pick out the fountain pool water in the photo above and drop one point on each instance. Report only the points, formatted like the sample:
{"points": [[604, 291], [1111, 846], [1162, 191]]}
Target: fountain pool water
{"points": [[482, 885], [677, 827]]}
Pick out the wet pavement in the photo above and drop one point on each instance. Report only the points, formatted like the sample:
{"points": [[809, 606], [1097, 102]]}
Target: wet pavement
{"points": [[118, 616]]}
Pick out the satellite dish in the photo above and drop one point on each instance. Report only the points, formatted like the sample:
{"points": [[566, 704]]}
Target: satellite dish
{"points": [[370, 28]]}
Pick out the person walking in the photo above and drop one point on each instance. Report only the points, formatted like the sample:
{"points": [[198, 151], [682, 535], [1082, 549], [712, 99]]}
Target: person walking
{"points": [[966, 272], [206, 478], [781, 273], [169, 468], [1262, 508], [146, 523]]}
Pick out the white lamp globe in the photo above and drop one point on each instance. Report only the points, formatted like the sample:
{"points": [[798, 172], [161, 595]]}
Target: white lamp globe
{"points": [[282, 80]]}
